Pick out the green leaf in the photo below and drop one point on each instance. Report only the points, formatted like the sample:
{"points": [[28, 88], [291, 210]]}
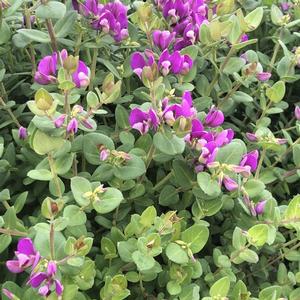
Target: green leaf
{"points": [[249, 256], [241, 97], [276, 92], [170, 145], [143, 262], [80, 186], [238, 238], [258, 235], [35, 35], [108, 248], [183, 173], [196, 237], [276, 14], [110, 67], [168, 196], [122, 117], [173, 288], [270, 293], [231, 153], [51, 10], [208, 185], [40, 174], [108, 201], [176, 254], [91, 144], [220, 288], [296, 155], [234, 65], [65, 25], [254, 187], [74, 215], [5, 241], [4, 32], [292, 213], [126, 248], [43, 143], [148, 216], [133, 168], [254, 18]]}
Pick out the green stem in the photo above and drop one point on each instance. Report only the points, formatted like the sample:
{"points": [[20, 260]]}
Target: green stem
{"points": [[51, 240], [163, 181], [54, 174], [93, 68], [262, 157], [9, 111], [275, 52], [12, 232]]}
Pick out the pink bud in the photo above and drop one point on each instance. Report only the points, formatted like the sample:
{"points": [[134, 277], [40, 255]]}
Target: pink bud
{"points": [[22, 133], [72, 126], [260, 207], [86, 124], [83, 79], [8, 294], [58, 122], [297, 112], [251, 137], [263, 76], [104, 154], [229, 183]]}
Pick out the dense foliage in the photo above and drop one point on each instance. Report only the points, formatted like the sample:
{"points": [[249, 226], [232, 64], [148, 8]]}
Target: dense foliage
{"points": [[149, 150]]}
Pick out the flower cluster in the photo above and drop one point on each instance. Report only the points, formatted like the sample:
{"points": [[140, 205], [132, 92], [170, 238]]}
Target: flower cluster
{"points": [[109, 18], [43, 273], [49, 65], [174, 63], [185, 18]]}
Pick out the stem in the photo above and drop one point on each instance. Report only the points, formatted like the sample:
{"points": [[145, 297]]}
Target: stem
{"points": [[264, 112], [9, 111], [31, 49], [52, 253], [12, 232], [55, 177], [163, 181], [262, 157], [230, 94], [93, 68], [275, 53]]}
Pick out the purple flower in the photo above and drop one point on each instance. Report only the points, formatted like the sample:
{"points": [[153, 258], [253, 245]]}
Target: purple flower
{"points": [[72, 126], [244, 38], [251, 137], [112, 18], [139, 61], [163, 39], [250, 159], [174, 63], [260, 207], [47, 279], [285, 6], [47, 70], [245, 171], [208, 153], [297, 113], [214, 118], [229, 183], [263, 76], [143, 121], [104, 154], [22, 133], [26, 255], [224, 137], [88, 7], [59, 121]]}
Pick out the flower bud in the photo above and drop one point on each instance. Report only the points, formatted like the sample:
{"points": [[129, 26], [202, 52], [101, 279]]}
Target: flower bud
{"points": [[70, 64], [22, 133], [72, 126], [43, 100], [58, 122], [260, 207], [263, 76], [297, 112]]}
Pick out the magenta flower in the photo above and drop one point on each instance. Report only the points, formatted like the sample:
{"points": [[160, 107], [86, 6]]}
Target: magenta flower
{"points": [[47, 280], [22, 133], [26, 255], [251, 137], [214, 117], [48, 66], [260, 207], [250, 159], [229, 183], [244, 38], [143, 121], [112, 18], [139, 61], [87, 7], [297, 113], [285, 6], [174, 63], [59, 121], [208, 153], [224, 137], [104, 154], [46, 71], [72, 127], [263, 76], [163, 39]]}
